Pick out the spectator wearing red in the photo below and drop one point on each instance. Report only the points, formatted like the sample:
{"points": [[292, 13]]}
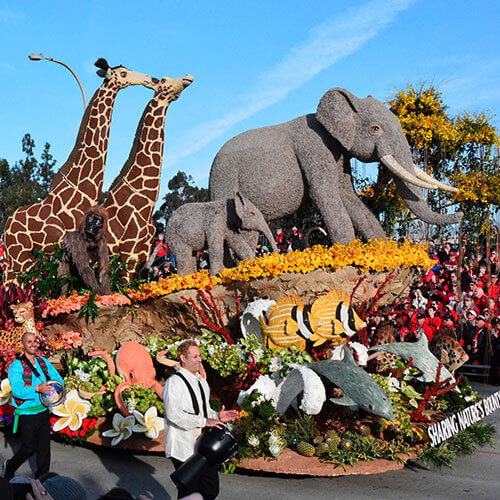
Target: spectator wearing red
{"points": [[281, 241], [480, 299], [418, 324], [494, 289], [432, 321]]}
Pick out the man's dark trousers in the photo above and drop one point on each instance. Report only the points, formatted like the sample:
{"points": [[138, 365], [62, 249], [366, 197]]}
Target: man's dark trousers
{"points": [[207, 483], [34, 431]]}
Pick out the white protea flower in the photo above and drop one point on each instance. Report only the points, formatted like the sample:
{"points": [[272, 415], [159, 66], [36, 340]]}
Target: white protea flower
{"points": [[5, 392], [72, 412], [276, 448], [82, 375], [253, 441], [122, 428], [149, 423]]}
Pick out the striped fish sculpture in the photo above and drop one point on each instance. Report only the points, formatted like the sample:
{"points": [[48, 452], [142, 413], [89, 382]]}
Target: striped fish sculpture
{"points": [[332, 319], [289, 321], [279, 327]]}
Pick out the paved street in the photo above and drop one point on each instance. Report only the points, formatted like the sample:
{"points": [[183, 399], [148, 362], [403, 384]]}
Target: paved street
{"points": [[100, 469]]}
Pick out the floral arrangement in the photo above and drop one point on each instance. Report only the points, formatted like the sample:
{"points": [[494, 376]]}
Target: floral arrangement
{"points": [[376, 255]]}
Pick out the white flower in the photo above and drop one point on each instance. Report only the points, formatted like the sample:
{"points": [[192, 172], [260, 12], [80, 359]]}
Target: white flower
{"points": [[393, 384], [131, 404], [211, 350], [72, 412], [258, 353], [149, 423], [275, 364], [122, 428], [82, 375], [253, 441], [5, 392]]}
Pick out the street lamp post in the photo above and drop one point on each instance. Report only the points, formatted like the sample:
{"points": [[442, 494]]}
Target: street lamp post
{"points": [[39, 57]]}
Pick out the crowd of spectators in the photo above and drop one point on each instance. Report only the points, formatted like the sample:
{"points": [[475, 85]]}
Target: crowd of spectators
{"points": [[457, 301]]}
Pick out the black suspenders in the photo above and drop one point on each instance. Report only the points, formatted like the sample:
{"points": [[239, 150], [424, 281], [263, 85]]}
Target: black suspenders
{"points": [[196, 406]]}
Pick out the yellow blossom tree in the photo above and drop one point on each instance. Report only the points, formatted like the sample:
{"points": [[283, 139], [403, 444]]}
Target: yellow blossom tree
{"points": [[458, 150]]}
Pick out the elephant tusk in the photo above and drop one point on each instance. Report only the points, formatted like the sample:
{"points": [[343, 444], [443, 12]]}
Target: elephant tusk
{"points": [[390, 162], [421, 174]]}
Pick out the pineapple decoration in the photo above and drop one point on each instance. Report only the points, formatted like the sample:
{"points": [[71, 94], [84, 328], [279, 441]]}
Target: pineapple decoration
{"points": [[306, 449]]}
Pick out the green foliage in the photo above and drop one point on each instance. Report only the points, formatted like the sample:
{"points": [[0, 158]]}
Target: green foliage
{"points": [[118, 271], [141, 399], [105, 402], [302, 428], [355, 447], [44, 277], [27, 181], [89, 310], [260, 432], [156, 343], [463, 443]]}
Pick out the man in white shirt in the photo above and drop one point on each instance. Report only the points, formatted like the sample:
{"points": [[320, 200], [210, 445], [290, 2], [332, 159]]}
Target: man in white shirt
{"points": [[184, 421]]}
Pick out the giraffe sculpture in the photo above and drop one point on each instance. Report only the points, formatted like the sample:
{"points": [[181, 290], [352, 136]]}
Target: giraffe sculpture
{"points": [[133, 194], [78, 183]]}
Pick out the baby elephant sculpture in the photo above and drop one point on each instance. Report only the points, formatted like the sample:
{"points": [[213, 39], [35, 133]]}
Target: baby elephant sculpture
{"points": [[194, 225]]}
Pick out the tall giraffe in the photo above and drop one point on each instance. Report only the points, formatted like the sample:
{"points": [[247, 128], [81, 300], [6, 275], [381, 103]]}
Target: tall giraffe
{"points": [[133, 194], [78, 183]]}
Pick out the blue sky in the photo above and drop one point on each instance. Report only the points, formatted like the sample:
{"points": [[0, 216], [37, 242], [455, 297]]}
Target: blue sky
{"points": [[255, 63]]}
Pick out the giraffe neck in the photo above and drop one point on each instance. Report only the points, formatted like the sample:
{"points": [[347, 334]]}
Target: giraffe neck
{"points": [[141, 173], [85, 164]]}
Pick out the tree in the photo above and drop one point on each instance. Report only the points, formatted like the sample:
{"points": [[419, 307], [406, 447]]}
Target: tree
{"points": [[26, 182], [182, 190], [458, 150]]}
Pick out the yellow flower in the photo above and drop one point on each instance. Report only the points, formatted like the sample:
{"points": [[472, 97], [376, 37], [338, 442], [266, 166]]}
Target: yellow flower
{"points": [[122, 428], [150, 423], [5, 392], [72, 412]]}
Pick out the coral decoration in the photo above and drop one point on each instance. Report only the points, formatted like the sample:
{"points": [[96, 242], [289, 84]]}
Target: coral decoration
{"points": [[431, 392], [209, 304]]}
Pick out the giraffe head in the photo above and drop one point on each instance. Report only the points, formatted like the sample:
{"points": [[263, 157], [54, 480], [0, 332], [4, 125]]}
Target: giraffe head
{"points": [[121, 76], [171, 88]]}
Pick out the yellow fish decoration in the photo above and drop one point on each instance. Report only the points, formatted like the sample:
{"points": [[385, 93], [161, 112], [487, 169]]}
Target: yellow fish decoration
{"points": [[330, 318], [279, 329]]}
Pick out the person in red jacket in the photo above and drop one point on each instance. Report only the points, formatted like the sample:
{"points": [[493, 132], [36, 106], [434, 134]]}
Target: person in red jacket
{"points": [[494, 289]]}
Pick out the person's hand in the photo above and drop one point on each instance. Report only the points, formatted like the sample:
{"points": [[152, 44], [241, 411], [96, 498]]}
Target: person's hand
{"points": [[44, 388], [38, 491], [212, 422], [228, 415]]}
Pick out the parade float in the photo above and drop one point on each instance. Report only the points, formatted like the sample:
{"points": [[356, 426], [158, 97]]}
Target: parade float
{"points": [[283, 337]]}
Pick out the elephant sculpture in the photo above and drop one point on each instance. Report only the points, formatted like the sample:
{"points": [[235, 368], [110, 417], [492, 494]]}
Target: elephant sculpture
{"points": [[213, 224], [279, 167]]}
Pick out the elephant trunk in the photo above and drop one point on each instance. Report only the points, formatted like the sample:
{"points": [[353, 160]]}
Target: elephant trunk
{"points": [[269, 235], [409, 184]]}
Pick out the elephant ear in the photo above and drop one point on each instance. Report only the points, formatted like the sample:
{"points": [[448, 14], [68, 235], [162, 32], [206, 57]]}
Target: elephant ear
{"points": [[336, 112], [234, 207]]}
